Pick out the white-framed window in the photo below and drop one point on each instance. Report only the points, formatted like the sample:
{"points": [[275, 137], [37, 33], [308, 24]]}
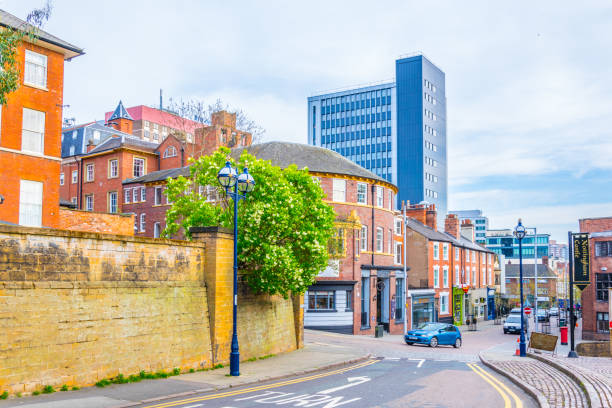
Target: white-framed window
{"points": [[75, 176], [30, 203], [456, 254], [339, 190], [490, 277], [444, 303], [445, 276], [436, 251], [142, 222], [390, 199], [136, 218], [168, 201], [89, 174], [467, 255], [158, 195], [390, 238], [112, 202], [139, 167], [379, 196], [467, 275], [113, 168], [72, 149], [156, 230], [89, 202], [445, 252], [61, 179], [398, 252], [170, 152], [362, 193], [127, 195], [35, 70], [379, 239], [398, 226], [457, 276], [474, 276], [143, 194], [73, 200], [364, 237], [483, 258], [436, 276], [490, 258], [135, 195], [33, 131], [473, 256]]}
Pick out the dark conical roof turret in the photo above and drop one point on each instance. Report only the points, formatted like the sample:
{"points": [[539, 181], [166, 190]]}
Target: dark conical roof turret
{"points": [[120, 113]]}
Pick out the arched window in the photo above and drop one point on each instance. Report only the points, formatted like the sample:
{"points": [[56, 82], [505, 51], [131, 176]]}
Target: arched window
{"points": [[170, 152]]}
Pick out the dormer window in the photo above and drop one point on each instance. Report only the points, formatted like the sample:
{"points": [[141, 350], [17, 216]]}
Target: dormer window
{"points": [[170, 152]]}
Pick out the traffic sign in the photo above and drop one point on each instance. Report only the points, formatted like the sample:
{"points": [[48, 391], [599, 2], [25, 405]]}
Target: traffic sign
{"points": [[527, 310]]}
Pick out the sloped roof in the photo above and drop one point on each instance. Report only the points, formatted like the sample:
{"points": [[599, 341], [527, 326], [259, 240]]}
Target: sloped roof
{"points": [[317, 159], [512, 271], [160, 175], [120, 113], [123, 141], [427, 231], [9, 20]]}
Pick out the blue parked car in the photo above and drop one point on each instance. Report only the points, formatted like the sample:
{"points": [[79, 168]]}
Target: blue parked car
{"points": [[434, 334]]}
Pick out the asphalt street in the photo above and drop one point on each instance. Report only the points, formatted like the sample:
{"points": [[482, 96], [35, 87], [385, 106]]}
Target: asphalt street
{"points": [[387, 382]]}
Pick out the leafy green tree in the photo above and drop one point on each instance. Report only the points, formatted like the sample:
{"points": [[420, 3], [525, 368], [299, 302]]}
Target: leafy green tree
{"points": [[10, 40], [283, 225]]}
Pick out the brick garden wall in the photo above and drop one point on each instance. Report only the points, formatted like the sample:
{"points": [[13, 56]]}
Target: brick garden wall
{"points": [[87, 221]]}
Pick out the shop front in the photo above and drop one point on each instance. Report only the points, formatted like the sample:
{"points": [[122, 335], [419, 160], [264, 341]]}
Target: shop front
{"points": [[423, 310], [478, 303], [491, 312], [458, 308]]}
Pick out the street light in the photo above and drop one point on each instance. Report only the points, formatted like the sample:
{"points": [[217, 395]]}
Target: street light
{"points": [[519, 233], [243, 184]]}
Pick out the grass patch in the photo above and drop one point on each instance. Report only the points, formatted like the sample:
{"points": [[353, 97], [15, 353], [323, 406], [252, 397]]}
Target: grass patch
{"points": [[268, 356], [64, 388], [252, 359], [18, 395], [48, 389], [75, 388], [4, 395], [216, 366], [36, 393], [191, 370], [103, 383]]}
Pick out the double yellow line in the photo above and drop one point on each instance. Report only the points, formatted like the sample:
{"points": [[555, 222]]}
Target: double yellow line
{"points": [[499, 387], [261, 387]]}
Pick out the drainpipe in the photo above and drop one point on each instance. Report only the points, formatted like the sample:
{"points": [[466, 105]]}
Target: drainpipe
{"points": [[405, 273], [373, 225], [182, 156], [79, 184]]}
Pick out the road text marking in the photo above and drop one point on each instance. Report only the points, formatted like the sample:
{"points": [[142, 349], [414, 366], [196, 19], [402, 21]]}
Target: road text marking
{"points": [[420, 360], [353, 381]]}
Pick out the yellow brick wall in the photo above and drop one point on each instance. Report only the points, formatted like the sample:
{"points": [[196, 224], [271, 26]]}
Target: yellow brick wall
{"points": [[78, 307]]}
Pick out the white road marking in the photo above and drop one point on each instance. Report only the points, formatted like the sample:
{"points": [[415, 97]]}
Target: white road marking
{"points": [[198, 405], [392, 358], [442, 360], [420, 360], [353, 381]]}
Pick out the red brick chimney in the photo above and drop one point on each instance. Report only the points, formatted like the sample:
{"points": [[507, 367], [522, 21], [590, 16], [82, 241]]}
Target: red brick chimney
{"points": [[90, 146], [431, 217], [545, 260], [417, 212], [451, 225]]}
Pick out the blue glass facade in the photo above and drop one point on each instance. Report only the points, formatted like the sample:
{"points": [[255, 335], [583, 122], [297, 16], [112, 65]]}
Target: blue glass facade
{"points": [[397, 130], [508, 246]]}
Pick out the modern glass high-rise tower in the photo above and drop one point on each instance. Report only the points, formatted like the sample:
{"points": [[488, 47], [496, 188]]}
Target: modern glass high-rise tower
{"points": [[397, 129]]}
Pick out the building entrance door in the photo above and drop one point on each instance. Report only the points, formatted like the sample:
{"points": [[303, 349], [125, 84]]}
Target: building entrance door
{"points": [[382, 302]]}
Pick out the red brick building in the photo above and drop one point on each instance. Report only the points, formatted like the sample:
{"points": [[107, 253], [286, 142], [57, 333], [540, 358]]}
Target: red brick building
{"points": [[595, 297], [442, 265], [30, 128]]}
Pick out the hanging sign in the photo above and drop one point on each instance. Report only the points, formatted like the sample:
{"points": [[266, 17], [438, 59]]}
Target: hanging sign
{"points": [[581, 260]]}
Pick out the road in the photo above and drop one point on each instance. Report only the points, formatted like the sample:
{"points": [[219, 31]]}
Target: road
{"points": [[398, 376]]}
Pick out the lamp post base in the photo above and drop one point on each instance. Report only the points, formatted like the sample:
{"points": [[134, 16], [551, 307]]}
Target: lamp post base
{"points": [[572, 354], [234, 364], [522, 349]]}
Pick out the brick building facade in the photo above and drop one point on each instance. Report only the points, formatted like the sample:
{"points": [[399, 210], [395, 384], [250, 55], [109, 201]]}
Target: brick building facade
{"points": [[451, 277], [30, 127], [595, 297]]}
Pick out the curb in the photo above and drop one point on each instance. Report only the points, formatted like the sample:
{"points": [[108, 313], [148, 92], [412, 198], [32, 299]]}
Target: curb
{"points": [[589, 391], [537, 395], [260, 380]]}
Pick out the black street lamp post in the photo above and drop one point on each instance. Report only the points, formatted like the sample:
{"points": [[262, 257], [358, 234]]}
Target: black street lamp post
{"points": [[244, 184], [519, 233]]}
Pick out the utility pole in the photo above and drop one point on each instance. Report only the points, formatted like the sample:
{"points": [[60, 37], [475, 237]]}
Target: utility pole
{"points": [[405, 272], [535, 274]]}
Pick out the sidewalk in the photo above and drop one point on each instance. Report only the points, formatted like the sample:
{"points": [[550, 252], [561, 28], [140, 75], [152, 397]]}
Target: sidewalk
{"points": [[312, 357], [559, 380]]}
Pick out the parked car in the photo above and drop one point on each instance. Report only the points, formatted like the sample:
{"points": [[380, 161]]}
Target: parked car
{"points": [[553, 311], [543, 316], [513, 324], [434, 334]]}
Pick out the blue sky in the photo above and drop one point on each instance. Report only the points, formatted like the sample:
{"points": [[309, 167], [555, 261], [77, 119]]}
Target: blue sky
{"points": [[528, 83]]}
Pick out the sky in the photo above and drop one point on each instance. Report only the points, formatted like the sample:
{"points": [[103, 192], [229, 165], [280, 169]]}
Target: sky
{"points": [[528, 84]]}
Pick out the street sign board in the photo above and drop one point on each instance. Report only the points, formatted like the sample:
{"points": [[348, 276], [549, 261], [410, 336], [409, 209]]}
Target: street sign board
{"points": [[582, 262], [527, 310]]}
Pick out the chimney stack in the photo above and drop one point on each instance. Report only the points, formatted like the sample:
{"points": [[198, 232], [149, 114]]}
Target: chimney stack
{"points": [[467, 230], [423, 213], [90, 146], [431, 217], [451, 225]]}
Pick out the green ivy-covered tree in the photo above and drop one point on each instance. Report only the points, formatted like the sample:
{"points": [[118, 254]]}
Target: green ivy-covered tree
{"points": [[283, 225]]}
